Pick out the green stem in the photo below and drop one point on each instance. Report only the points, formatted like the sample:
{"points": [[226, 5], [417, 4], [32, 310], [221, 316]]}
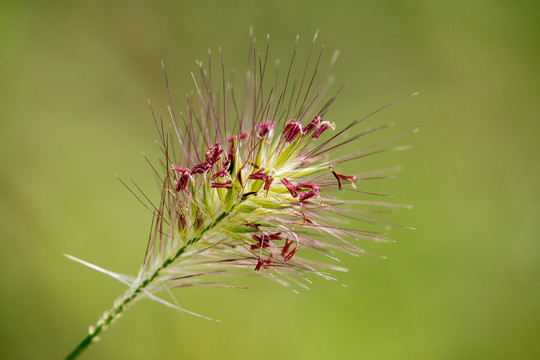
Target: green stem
{"points": [[110, 316]]}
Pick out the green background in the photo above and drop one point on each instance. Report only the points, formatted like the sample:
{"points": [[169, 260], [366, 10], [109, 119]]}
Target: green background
{"points": [[74, 82]]}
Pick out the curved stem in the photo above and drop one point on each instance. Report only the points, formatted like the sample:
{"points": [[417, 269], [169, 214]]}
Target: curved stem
{"points": [[110, 316]]}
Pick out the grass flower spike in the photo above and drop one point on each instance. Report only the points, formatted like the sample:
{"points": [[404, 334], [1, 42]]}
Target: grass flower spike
{"points": [[249, 184]]}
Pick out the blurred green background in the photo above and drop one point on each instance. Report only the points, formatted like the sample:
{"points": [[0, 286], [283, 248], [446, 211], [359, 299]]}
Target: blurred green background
{"points": [[75, 77]]}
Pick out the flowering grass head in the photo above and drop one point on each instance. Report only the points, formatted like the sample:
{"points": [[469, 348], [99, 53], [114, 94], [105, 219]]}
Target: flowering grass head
{"points": [[250, 184]]}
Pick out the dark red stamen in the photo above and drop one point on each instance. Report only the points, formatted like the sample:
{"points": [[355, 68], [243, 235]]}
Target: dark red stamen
{"points": [[291, 130], [263, 263], [178, 168], [260, 263], [213, 154], [286, 247], [267, 183], [313, 124], [320, 130], [259, 175], [339, 177], [275, 236], [307, 185], [264, 240], [201, 168], [182, 181], [226, 184], [292, 189], [221, 173], [265, 128], [293, 251], [239, 137], [309, 194]]}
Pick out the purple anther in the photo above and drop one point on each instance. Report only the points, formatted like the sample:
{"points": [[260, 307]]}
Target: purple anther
{"points": [[313, 124], [292, 189], [274, 236], [263, 263], [309, 194], [263, 241], [201, 168], [320, 130], [212, 155], [267, 183], [264, 128], [259, 175], [226, 184], [221, 173], [178, 168], [182, 181], [291, 130], [339, 177], [286, 247], [260, 263], [239, 137], [293, 251], [307, 185]]}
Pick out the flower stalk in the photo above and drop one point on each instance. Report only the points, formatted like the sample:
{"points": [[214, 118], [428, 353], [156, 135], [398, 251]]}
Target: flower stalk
{"points": [[132, 294]]}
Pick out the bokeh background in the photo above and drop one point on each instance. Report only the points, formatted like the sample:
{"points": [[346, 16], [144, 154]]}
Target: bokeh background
{"points": [[75, 77]]}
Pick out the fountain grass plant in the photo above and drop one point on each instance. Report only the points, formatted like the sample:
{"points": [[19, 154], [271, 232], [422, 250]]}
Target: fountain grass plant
{"points": [[249, 184]]}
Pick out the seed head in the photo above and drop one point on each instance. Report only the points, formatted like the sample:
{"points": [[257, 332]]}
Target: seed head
{"points": [[271, 198], [251, 185]]}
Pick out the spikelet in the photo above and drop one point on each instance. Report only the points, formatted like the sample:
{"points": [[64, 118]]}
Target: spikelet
{"points": [[254, 187]]}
